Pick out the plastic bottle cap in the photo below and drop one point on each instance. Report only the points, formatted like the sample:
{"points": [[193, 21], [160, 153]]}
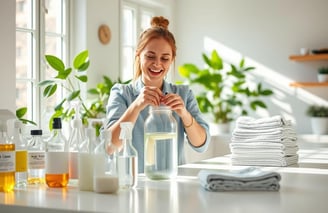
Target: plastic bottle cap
{"points": [[56, 124], [36, 132]]}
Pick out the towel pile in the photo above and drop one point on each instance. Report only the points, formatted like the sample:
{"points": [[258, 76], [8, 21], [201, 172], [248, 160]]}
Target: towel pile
{"points": [[248, 179], [270, 141]]}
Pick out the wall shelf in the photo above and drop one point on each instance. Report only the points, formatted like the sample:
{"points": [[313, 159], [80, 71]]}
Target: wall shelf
{"points": [[308, 84], [309, 57]]}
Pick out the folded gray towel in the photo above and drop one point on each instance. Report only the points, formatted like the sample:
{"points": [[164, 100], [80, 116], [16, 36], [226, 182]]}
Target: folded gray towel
{"points": [[249, 179]]}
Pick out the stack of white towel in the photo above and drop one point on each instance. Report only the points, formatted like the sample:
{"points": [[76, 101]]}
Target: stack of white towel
{"points": [[270, 141]]}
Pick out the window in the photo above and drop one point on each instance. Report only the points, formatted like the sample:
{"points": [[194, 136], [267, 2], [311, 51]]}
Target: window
{"points": [[41, 28], [135, 19]]}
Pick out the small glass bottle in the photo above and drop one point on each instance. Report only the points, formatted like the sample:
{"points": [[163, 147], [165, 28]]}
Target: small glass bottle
{"points": [[105, 181], [77, 136], [7, 153], [161, 157], [21, 155], [85, 161], [36, 158], [127, 158], [57, 157]]}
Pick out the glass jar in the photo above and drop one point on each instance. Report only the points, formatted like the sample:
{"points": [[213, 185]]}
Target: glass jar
{"points": [[161, 156]]}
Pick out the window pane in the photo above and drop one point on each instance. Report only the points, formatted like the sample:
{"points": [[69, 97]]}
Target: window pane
{"points": [[24, 13], [53, 47], [24, 96], [53, 18], [127, 65], [23, 55], [128, 27], [145, 20]]}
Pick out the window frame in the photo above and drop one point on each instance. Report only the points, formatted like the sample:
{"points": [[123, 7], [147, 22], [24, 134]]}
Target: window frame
{"points": [[36, 109]]}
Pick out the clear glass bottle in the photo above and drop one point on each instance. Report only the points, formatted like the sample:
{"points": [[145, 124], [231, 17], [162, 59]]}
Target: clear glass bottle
{"points": [[77, 136], [105, 181], [7, 153], [85, 161], [57, 156], [127, 158], [161, 157], [36, 158], [21, 155]]}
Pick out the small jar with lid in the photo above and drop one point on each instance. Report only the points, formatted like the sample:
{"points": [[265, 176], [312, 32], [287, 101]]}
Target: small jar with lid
{"points": [[36, 158], [161, 156]]}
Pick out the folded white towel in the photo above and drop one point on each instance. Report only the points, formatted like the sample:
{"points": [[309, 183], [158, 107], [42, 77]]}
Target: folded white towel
{"points": [[264, 161], [264, 145], [263, 151], [249, 179], [265, 138], [260, 123]]}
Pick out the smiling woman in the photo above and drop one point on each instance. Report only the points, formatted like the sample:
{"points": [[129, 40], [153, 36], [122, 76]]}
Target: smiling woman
{"points": [[155, 52]]}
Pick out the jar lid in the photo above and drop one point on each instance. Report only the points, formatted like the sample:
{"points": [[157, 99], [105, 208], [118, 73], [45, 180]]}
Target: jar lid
{"points": [[36, 132]]}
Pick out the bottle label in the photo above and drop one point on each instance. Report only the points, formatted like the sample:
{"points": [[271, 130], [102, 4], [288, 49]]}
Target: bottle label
{"points": [[36, 160], [7, 161], [21, 160], [57, 162]]}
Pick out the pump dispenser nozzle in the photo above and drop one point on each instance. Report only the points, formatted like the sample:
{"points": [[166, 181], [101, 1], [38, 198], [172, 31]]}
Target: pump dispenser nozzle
{"points": [[126, 130]]}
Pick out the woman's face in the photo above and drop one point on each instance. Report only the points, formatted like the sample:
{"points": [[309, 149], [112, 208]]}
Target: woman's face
{"points": [[155, 61]]}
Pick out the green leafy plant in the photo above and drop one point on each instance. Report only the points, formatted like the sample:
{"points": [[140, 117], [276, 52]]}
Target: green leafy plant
{"points": [[226, 93], [97, 107], [323, 70], [66, 78], [317, 111]]}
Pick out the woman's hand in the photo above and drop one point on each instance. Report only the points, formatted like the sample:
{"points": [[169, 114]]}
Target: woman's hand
{"points": [[148, 96], [175, 102]]}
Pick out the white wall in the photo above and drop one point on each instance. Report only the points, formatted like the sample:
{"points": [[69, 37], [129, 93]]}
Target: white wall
{"points": [[7, 55], [265, 33], [87, 17]]}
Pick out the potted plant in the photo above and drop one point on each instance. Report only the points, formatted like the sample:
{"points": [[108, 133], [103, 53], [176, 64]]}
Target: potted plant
{"points": [[70, 78], [319, 118], [323, 74], [226, 93]]}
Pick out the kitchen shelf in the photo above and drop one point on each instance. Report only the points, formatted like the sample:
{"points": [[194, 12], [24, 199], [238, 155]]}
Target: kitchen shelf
{"points": [[308, 84], [309, 57]]}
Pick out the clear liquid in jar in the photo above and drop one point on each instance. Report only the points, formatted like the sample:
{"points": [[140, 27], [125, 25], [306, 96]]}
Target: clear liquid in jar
{"points": [[160, 155]]}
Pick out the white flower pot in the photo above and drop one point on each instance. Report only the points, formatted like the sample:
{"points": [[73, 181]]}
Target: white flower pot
{"points": [[319, 125], [322, 77]]}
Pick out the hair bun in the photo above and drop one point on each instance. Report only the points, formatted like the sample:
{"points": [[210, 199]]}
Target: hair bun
{"points": [[159, 21]]}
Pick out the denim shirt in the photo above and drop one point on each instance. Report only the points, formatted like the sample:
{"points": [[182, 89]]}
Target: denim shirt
{"points": [[122, 95]]}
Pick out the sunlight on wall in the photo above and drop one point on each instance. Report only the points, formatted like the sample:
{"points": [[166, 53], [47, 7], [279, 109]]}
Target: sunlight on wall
{"points": [[278, 82]]}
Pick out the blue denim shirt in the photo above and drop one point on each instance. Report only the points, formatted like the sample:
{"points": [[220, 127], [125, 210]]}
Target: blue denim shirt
{"points": [[122, 95]]}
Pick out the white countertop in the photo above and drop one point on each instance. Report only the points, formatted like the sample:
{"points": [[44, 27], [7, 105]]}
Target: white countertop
{"points": [[304, 188]]}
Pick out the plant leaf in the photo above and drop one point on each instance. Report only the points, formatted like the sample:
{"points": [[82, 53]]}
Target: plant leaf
{"points": [[216, 61], [50, 90], [55, 63], [81, 59], [45, 82], [84, 66], [21, 112], [64, 73], [82, 78], [93, 91], [187, 69], [73, 95]]}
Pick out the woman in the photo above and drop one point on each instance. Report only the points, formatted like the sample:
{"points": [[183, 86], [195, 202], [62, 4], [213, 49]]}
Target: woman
{"points": [[155, 53]]}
